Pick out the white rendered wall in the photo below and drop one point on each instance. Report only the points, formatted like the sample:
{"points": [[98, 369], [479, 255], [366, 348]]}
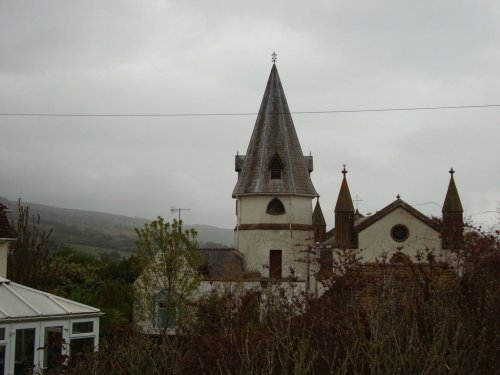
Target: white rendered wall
{"points": [[256, 244], [377, 239], [4, 247], [252, 209]]}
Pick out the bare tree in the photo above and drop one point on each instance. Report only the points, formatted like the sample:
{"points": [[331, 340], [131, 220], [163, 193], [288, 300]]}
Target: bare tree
{"points": [[28, 256]]}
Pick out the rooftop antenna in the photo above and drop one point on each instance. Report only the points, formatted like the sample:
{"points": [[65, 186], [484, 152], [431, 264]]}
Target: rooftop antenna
{"points": [[173, 210]]}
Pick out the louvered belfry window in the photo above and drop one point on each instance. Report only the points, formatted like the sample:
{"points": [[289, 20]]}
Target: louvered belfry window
{"points": [[275, 166]]}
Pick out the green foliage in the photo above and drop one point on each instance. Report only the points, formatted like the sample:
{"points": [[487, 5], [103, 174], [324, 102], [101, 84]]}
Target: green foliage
{"points": [[171, 260], [103, 283]]}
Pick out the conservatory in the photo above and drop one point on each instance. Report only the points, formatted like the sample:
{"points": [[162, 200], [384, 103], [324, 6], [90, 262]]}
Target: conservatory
{"points": [[39, 330]]}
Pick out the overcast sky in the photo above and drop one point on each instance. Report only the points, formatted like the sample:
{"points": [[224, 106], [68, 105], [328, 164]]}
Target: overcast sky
{"points": [[150, 57]]}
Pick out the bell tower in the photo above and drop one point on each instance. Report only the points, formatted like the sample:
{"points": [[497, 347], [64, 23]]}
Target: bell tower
{"points": [[274, 191]]}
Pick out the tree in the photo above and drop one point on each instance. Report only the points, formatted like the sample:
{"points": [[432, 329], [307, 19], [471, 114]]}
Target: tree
{"points": [[170, 278], [29, 254]]}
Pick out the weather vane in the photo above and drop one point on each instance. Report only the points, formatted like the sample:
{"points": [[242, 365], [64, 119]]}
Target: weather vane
{"points": [[274, 57]]}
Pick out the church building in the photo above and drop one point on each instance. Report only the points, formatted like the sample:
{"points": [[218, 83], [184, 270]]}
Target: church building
{"points": [[274, 198], [278, 235]]}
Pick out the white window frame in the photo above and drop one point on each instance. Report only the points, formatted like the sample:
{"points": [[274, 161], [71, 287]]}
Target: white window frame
{"points": [[65, 334], [94, 333], [5, 343], [12, 341]]}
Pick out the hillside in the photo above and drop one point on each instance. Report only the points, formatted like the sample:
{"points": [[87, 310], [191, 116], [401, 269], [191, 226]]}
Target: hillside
{"points": [[98, 232]]}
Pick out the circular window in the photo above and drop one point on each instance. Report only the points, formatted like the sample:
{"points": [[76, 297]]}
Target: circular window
{"points": [[399, 232]]}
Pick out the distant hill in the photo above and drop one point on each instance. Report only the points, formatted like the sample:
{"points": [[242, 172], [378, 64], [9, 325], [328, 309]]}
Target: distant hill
{"points": [[98, 232]]}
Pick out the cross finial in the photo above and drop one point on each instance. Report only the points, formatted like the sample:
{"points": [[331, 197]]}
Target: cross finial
{"points": [[344, 171], [274, 57], [452, 171], [398, 196], [357, 200]]}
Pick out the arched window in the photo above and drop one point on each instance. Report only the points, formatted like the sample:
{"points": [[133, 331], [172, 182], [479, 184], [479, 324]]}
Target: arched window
{"points": [[399, 257], [275, 207], [275, 166]]}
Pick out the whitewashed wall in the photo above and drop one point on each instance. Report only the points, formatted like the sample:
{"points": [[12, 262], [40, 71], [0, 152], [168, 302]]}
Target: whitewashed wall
{"points": [[376, 239], [252, 209], [4, 247]]}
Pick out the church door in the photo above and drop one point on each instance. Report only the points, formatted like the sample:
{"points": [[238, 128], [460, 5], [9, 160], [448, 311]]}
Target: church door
{"points": [[275, 264]]}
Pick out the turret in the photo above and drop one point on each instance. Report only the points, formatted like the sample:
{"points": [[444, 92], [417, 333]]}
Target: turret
{"points": [[344, 217], [453, 224], [319, 223]]}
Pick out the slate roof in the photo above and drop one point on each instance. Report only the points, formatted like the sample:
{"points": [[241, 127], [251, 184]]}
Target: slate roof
{"points": [[221, 263], [6, 231], [318, 218], [274, 133], [18, 302], [344, 200], [452, 201]]}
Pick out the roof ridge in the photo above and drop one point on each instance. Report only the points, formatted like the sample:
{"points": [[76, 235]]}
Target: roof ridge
{"points": [[391, 207]]}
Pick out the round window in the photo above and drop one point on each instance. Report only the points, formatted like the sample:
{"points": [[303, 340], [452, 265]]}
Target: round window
{"points": [[399, 232]]}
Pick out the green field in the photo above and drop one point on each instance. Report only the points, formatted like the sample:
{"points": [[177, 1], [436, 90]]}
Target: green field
{"points": [[95, 251]]}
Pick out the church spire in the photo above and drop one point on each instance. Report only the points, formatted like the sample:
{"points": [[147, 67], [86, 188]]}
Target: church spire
{"points": [[274, 162], [452, 200], [452, 234], [344, 217], [344, 200], [319, 223]]}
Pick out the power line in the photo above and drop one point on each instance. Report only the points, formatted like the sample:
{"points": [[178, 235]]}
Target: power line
{"points": [[245, 113]]}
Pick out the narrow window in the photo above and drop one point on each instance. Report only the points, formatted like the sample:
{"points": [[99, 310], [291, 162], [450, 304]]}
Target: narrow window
{"points": [[166, 312], [275, 264], [275, 207], [24, 356], [275, 166], [53, 345], [166, 316]]}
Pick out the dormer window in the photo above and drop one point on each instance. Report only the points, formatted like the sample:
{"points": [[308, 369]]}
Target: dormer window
{"points": [[275, 207], [275, 166]]}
